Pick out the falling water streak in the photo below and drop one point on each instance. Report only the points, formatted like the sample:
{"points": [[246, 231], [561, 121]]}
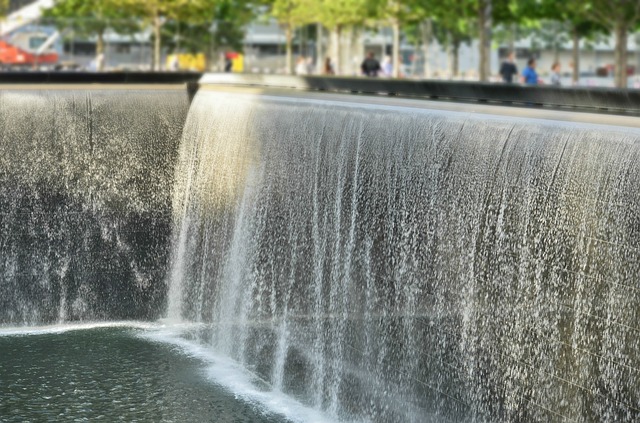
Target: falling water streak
{"points": [[186, 169], [283, 330], [200, 288], [177, 272], [232, 303], [62, 313], [337, 292], [319, 245]]}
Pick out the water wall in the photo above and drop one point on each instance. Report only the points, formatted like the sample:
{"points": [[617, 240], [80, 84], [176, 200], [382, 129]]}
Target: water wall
{"points": [[392, 264], [85, 210]]}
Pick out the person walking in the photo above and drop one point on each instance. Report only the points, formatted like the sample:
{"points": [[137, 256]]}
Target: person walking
{"points": [[301, 66], [387, 66], [370, 66], [529, 75], [328, 67], [508, 68], [555, 74]]}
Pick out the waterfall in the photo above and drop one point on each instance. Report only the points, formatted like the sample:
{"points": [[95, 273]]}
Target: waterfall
{"points": [[389, 264], [85, 214]]}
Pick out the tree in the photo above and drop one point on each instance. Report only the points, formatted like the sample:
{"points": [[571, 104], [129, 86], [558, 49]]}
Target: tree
{"points": [[425, 11], [581, 29], [158, 12], [618, 17], [335, 15], [290, 15], [4, 8], [91, 19], [569, 20], [426, 30], [452, 26], [395, 13], [485, 25], [490, 13], [220, 27]]}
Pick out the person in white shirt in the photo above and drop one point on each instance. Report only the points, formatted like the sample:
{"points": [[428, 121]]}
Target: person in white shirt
{"points": [[387, 66], [301, 66]]}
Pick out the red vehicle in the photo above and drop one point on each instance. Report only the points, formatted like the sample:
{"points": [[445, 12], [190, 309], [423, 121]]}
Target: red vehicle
{"points": [[25, 50]]}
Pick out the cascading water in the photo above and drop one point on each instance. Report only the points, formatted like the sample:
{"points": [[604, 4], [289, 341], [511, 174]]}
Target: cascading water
{"points": [[394, 264], [85, 186]]}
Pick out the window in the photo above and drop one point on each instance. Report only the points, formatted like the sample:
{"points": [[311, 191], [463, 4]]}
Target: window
{"points": [[36, 42]]}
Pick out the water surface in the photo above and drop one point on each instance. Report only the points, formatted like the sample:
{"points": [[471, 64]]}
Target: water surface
{"points": [[111, 374]]}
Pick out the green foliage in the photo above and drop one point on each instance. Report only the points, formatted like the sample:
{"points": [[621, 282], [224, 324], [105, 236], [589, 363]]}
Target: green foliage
{"points": [[329, 13], [453, 22], [391, 10], [222, 25], [610, 13], [91, 18], [346, 12], [183, 10], [231, 18], [294, 12], [4, 8]]}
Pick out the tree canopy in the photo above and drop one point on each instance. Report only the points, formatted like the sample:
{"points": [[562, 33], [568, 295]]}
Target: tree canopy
{"points": [[92, 19], [193, 25]]}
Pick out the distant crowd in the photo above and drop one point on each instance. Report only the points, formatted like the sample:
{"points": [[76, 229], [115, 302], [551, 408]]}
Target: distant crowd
{"points": [[529, 76], [371, 67]]}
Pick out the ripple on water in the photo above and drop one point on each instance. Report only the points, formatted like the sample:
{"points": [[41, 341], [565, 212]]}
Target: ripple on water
{"points": [[105, 373]]}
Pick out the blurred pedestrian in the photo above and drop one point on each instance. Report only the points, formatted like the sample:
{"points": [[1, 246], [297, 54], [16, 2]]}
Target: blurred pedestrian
{"points": [[529, 75], [310, 65], [387, 66], [174, 63], [555, 74], [228, 63], [301, 66], [370, 66], [328, 67], [508, 68]]}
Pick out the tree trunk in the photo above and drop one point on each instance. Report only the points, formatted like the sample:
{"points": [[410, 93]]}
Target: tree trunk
{"points": [[427, 32], [302, 41], [513, 35], [346, 44], [484, 25], [358, 49], [620, 54], [157, 25], [414, 56], [395, 70], [637, 58], [455, 68], [575, 74], [100, 59], [449, 55], [335, 48], [319, 50], [288, 64]]}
